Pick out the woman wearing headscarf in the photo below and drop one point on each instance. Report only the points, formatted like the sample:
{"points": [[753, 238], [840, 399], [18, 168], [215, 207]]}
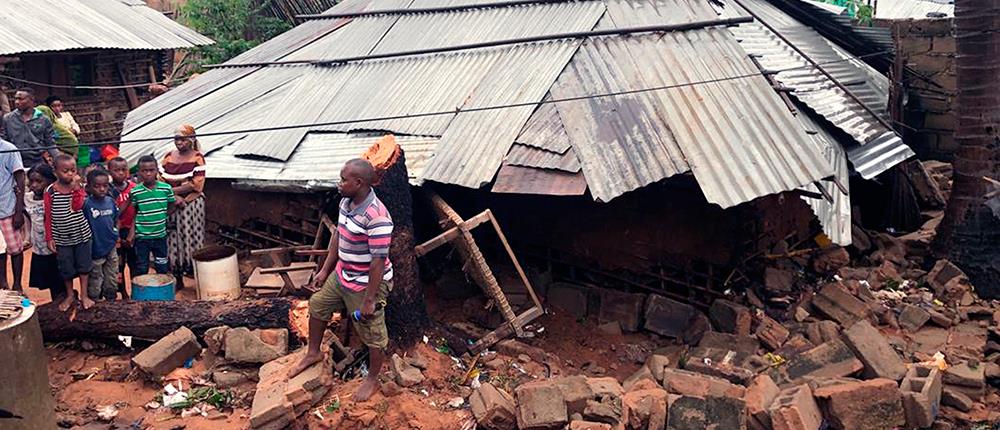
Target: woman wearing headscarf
{"points": [[65, 125], [184, 169], [66, 140]]}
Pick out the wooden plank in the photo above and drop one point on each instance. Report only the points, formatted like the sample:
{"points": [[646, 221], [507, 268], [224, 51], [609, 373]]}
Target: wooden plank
{"points": [[513, 258], [450, 234], [505, 330], [286, 269], [279, 249]]}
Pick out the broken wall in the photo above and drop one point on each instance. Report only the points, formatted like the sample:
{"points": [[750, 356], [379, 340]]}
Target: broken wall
{"points": [[100, 113], [228, 206], [927, 47]]}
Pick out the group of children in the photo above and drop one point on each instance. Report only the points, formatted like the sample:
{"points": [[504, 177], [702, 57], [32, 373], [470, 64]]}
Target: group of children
{"points": [[91, 226]]}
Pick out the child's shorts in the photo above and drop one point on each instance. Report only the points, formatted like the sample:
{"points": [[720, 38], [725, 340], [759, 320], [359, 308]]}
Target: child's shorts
{"points": [[74, 260], [44, 274]]}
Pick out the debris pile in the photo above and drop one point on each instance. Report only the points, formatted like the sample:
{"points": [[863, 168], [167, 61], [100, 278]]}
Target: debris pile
{"points": [[280, 400]]}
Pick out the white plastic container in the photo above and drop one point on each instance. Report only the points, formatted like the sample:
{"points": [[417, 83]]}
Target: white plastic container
{"points": [[217, 273]]}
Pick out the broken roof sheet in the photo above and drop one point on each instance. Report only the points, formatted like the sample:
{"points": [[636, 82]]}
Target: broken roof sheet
{"points": [[60, 25], [834, 216], [734, 133], [878, 147]]}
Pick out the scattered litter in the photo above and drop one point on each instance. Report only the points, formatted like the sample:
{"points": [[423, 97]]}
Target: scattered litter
{"points": [[424, 392], [334, 406], [126, 340], [189, 363], [107, 413], [775, 359], [426, 339], [175, 399], [456, 402], [153, 405], [318, 414]]}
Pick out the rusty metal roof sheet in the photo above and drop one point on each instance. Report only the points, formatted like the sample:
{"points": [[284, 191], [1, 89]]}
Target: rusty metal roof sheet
{"points": [[528, 180], [529, 156], [60, 25]]}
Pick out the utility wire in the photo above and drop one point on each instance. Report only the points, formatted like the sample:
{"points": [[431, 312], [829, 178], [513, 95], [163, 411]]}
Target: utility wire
{"points": [[456, 111], [83, 87]]}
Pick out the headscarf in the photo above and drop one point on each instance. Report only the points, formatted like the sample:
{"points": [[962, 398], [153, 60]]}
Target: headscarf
{"points": [[187, 130], [65, 140]]}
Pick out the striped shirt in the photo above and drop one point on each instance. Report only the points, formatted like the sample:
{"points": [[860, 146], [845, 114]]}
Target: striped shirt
{"points": [[64, 220], [151, 209], [364, 232]]}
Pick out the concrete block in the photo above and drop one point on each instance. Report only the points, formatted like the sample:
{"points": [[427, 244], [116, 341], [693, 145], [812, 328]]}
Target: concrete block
{"points": [[626, 308], [957, 399], [168, 353], [966, 375], [671, 318], [269, 404], [839, 304], [876, 404], [759, 397], [913, 317], [921, 390], [695, 384], [255, 346], [540, 406], [569, 298], [828, 360], [607, 410], [576, 391], [706, 413], [796, 409], [770, 332], [493, 408], [645, 409], [872, 348], [729, 317]]}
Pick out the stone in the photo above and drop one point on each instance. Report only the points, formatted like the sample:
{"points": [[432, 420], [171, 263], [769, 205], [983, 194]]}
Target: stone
{"points": [[392, 389], [671, 318], [569, 298], [913, 317], [493, 408], [966, 375], [729, 317], [829, 360], [957, 400], [646, 409], [874, 351], [943, 273], [840, 305], [822, 331], [605, 386], [656, 363], [876, 404], [215, 339], [245, 346], [890, 249], [406, 375], [117, 368], [795, 409], [759, 397], [341, 355], [921, 390], [229, 378], [830, 259], [575, 391], [417, 360], [514, 348], [168, 353], [744, 345], [626, 308], [587, 425], [940, 319], [779, 281], [606, 410], [540, 406], [695, 384], [719, 363], [610, 328], [770, 332], [706, 413]]}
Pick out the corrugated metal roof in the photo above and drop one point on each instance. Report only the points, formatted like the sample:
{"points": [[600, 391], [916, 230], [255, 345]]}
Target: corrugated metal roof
{"points": [[318, 159], [527, 180], [835, 216], [59, 25], [544, 130], [818, 92], [917, 9], [529, 156]]}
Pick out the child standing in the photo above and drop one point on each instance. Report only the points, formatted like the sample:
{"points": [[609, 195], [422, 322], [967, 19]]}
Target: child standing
{"points": [[44, 272], [121, 190], [152, 200], [102, 216], [67, 231]]}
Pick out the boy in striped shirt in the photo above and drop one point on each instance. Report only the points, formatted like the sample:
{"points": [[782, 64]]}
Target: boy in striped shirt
{"points": [[153, 200], [66, 229], [358, 260]]}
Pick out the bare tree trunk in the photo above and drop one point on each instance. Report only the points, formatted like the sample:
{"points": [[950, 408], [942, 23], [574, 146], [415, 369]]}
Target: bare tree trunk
{"points": [[969, 234]]}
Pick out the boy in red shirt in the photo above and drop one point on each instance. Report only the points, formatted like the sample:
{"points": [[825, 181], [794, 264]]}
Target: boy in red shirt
{"points": [[121, 189]]}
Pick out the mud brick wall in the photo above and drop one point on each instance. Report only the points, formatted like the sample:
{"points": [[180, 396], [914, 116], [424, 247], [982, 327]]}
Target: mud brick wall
{"points": [[927, 47], [100, 113]]}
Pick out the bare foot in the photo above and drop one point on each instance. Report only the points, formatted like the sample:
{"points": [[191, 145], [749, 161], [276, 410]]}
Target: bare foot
{"points": [[87, 302], [67, 302], [366, 389], [307, 360]]}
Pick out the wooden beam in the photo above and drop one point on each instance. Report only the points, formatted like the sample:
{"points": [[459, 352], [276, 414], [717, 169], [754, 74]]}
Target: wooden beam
{"points": [[285, 269], [279, 249], [451, 234], [505, 330], [513, 258]]}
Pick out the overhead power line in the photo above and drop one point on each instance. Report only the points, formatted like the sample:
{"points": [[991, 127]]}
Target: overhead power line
{"points": [[455, 111], [82, 87]]}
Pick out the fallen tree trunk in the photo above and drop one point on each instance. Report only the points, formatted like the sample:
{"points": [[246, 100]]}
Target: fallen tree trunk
{"points": [[153, 320]]}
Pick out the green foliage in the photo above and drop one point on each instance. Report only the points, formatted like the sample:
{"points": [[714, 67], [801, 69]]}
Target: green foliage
{"points": [[210, 395], [235, 25], [865, 15]]}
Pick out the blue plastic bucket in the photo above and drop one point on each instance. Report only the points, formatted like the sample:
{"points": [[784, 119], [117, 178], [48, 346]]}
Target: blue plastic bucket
{"points": [[153, 287]]}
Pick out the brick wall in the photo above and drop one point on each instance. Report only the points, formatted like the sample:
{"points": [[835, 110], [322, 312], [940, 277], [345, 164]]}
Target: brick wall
{"points": [[100, 113], [927, 47]]}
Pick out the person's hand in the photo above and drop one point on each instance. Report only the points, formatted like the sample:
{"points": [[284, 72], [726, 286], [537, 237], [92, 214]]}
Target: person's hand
{"points": [[180, 203], [18, 221], [319, 278], [367, 308], [52, 246], [77, 182]]}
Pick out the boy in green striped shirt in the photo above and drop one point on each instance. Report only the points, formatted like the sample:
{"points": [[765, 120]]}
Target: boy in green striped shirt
{"points": [[153, 201]]}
